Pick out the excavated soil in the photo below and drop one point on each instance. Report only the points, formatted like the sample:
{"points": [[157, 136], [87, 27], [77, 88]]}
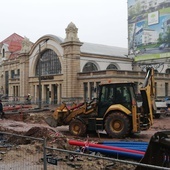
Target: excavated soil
{"points": [[33, 125]]}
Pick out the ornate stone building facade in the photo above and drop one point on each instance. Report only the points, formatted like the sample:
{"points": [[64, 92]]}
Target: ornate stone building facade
{"points": [[55, 69]]}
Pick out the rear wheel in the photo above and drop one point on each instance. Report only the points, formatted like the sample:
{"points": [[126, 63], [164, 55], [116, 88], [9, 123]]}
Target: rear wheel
{"points": [[77, 128], [117, 125]]}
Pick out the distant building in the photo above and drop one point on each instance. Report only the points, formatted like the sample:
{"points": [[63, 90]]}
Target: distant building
{"points": [[65, 69], [145, 37]]}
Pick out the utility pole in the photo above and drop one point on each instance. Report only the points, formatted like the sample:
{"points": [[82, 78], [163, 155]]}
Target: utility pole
{"points": [[39, 78]]}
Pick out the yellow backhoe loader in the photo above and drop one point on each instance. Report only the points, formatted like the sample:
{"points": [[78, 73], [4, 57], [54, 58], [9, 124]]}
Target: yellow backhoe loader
{"points": [[115, 110]]}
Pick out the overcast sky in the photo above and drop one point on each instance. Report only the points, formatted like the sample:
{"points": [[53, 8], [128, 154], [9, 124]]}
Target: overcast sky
{"points": [[98, 21]]}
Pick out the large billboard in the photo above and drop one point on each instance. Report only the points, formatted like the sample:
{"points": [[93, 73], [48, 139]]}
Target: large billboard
{"points": [[149, 29]]}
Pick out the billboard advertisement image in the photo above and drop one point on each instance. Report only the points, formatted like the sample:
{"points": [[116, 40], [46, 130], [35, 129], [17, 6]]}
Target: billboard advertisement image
{"points": [[149, 29]]}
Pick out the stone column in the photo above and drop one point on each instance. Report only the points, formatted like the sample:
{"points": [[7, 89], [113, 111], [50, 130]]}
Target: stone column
{"points": [[59, 89], [88, 87], [34, 93], [71, 62], [43, 93], [24, 75]]}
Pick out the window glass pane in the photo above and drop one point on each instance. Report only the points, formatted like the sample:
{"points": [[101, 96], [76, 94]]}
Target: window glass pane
{"points": [[90, 67], [91, 90], [111, 66], [85, 91], [168, 70], [12, 73], [50, 63]]}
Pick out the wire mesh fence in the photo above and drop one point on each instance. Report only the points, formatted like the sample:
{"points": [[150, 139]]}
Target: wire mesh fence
{"points": [[22, 100], [18, 152], [70, 160]]}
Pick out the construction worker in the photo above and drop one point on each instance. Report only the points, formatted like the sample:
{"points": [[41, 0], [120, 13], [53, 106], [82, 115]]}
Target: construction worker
{"points": [[1, 110], [29, 98]]}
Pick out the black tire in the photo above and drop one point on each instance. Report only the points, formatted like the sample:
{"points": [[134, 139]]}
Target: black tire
{"points": [[117, 125], [77, 128], [157, 116]]}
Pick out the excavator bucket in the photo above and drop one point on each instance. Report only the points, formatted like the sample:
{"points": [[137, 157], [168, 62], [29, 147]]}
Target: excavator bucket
{"points": [[63, 115], [158, 151], [51, 121], [54, 119]]}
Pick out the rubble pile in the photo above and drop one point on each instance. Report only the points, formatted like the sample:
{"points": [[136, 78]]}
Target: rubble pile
{"points": [[40, 132], [33, 125]]}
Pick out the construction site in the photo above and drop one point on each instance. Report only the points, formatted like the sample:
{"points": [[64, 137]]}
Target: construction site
{"points": [[66, 104], [68, 145]]}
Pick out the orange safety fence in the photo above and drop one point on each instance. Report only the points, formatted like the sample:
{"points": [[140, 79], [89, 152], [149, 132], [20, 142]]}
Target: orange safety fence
{"points": [[16, 107]]}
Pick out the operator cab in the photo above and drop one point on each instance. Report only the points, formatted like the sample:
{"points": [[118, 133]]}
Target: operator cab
{"points": [[115, 93]]}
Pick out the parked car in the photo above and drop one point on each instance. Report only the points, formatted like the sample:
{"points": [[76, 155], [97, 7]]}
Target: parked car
{"points": [[160, 105], [5, 96], [161, 108], [164, 45], [167, 100]]}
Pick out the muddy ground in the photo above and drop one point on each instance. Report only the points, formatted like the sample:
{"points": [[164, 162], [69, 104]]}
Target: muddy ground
{"points": [[23, 123], [33, 124]]}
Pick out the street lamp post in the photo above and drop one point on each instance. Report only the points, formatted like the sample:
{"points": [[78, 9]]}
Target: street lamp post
{"points": [[39, 77]]}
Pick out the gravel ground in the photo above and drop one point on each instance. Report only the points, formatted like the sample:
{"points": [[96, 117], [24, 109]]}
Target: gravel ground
{"points": [[34, 125]]}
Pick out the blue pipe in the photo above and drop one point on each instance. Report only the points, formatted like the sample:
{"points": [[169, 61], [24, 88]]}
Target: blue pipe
{"points": [[136, 146], [123, 142], [122, 145], [116, 153], [139, 148]]}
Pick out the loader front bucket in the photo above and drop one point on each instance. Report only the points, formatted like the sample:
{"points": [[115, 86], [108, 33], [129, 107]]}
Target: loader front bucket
{"points": [[158, 151], [57, 118], [51, 121]]}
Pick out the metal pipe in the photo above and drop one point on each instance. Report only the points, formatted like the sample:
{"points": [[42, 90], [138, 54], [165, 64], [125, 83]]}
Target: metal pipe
{"points": [[78, 143]]}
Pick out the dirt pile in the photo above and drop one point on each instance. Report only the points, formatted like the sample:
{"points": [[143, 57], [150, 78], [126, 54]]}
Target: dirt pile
{"points": [[40, 132], [34, 126], [53, 138]]}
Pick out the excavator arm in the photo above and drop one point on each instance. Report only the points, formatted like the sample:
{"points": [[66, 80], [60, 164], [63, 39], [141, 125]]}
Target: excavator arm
{"points": [[63, 114], [148, 97]]}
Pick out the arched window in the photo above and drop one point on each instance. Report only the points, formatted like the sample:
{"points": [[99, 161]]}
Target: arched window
{"points": [[168, 71], [49, 63], [90, 67], [111, 66]]}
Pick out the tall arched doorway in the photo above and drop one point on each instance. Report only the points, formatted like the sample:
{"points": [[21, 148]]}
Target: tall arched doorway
{"points": [[48, 66]]}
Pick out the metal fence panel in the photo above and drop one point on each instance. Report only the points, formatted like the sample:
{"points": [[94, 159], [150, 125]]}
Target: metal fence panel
{"points": [[20, 152], [69, 160]]}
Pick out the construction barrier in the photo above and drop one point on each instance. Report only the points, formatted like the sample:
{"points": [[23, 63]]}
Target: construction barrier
{"points": [[18, 152], [24, 152]]}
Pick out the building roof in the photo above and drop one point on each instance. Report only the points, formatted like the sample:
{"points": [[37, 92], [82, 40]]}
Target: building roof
{"points": [[98, 48], [104, 50], [59, 39], [14, 42]]}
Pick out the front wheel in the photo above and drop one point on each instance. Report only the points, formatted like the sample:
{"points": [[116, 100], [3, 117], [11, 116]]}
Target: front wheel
{"points": [[77, 128], [117, 125]]}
